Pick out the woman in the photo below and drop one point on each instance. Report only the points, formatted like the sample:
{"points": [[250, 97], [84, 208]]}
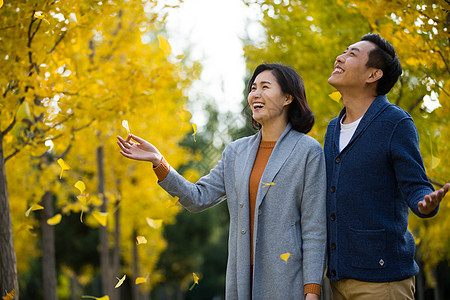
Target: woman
{"points": [[274, 183]]}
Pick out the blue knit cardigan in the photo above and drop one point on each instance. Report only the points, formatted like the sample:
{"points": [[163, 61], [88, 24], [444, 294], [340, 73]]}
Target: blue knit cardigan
{"points": [[370, 185]]}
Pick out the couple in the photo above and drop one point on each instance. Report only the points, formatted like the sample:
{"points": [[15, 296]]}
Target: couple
{"points": [[286, 195]]}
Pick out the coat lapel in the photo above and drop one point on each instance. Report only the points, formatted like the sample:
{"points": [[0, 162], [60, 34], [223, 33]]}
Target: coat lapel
{"points": [[280, 153]]}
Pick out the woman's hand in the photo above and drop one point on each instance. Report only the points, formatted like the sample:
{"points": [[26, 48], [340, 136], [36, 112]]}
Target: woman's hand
{"points": [[312, 297], [139, 150]]}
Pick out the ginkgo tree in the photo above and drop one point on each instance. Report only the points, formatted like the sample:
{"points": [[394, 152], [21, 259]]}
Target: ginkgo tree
{"points": [[71, 72], [308, 35]]}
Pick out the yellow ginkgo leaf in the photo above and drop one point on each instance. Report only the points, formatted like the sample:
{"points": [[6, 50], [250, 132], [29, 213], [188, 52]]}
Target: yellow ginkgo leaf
{"points": [[33, 207], [196, 278], [268, 184], [435, 162], [173, 202], [100, 217], [121, 280], [10, 295], [80, 186], [56, 219], [1, 3], [285, 256], [64, 166], [164, 45], [39, 15], [181, 56], [336, 96], [141, 240], [125, 125], [155, 223], [101, 298], [194, 127], [84, 199], [140, 280]]}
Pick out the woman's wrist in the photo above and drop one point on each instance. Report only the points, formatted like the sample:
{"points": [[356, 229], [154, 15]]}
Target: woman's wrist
{"points": [[157, 160]]}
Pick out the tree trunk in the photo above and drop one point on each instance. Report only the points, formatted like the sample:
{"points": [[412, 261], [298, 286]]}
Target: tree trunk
{"points": [[135, 265], [48, 249], [116, 252], [8, 263], [103, 231], [420, 286]]}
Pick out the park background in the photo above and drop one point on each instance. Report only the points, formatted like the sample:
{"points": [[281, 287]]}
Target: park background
{"points": [[76, 217]]}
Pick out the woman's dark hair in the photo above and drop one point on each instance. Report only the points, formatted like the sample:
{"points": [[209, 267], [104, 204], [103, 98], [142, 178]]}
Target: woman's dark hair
{"points": [[300, 115], [383, 57]]}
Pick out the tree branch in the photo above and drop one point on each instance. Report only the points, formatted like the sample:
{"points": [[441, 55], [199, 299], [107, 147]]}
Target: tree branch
{"points": [[445, 62], [8, 27], [58, 41], [418, 101], [12, 154], [437, 183]]}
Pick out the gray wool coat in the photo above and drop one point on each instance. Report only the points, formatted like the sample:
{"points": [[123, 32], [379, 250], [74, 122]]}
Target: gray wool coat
{"points": [[290, 215]]}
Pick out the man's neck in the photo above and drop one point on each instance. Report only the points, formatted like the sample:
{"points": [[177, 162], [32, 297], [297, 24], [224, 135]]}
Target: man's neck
{"points": [[356, 105]]}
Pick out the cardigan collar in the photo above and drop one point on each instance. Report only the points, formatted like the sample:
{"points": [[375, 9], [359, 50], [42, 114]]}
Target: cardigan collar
{"points": [[378, 106]]}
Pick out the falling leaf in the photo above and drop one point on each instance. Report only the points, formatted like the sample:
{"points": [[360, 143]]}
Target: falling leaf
{"points": [[164, 45], [336, 96], [81, 186], [64, 166], [125, 125], [268, 184], [155, 223], [173, 202], [84, 199], [9, 296], [33, 207], [140, 280], [101, 298], [194, 126], [100, 217], [181, 56], [54, 220], [285, 256], [196, 278], [40, 15], [434, 162], [1, 3], [121, 280], [141, 240]]}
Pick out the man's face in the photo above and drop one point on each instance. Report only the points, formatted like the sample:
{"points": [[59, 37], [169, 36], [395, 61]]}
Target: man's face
{"points": [[350, 69]]}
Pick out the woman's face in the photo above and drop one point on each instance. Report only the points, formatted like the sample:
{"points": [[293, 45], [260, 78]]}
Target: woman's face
{"points": [[267, 102]]}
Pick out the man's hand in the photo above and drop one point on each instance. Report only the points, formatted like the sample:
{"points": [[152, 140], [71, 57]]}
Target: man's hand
{"points": [[431, 201], [312, 297]]}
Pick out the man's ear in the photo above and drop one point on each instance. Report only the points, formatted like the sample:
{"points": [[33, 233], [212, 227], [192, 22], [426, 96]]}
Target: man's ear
{"points": [[375, 75]]}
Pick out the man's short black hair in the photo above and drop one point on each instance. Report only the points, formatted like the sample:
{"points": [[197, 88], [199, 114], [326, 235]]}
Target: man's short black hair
{"points": [[383, 57]]}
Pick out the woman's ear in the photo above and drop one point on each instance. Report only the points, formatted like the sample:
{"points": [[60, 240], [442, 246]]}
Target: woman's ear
{"points": [[375, 75], [288, 99]]}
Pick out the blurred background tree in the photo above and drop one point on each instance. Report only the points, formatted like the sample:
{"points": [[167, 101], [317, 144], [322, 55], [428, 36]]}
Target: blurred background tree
{"points": [[71, 71]]}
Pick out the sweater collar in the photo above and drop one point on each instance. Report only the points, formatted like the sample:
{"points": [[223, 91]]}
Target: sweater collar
{"points": [[378, 105]]}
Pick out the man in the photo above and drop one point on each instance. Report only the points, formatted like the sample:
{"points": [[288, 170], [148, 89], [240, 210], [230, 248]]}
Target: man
{"points": [[374, 174]]}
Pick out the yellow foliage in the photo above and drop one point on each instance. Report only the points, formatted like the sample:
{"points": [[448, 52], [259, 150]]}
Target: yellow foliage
{"points": [[87, 70]]}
